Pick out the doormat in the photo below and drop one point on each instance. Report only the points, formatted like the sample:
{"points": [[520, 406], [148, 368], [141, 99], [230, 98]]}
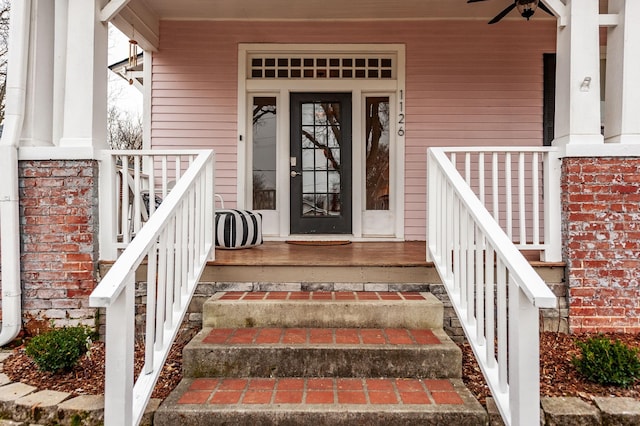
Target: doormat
{"points": [[319, 243]]}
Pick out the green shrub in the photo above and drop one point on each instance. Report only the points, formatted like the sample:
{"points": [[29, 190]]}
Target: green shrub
{"points": [[608, 363], [59, 349]]}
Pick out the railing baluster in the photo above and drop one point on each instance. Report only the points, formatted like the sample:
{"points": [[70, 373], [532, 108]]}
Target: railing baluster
{"points": [[162, 290], [522, 209], [508, 190], [501, 284], [490, 308], [467, 168], [124, 214], [171, 234], [471, 247], [495, 186], [165, 178], [152, 268], [481, 182], [535, 197], [481, 265]]}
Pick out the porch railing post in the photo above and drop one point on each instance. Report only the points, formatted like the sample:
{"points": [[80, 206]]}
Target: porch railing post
{"points": [[210, 207], [552, 209], [431, 207], [108, 207], [524, 353], [118, 408]]}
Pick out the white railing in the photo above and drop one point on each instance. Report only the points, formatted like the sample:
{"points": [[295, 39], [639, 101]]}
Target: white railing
{"points": [[131, 179], [520, 186], [176, 242], [494, 290]]}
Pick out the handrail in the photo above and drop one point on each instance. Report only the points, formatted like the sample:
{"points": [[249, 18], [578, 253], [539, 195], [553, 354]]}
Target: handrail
{"points": [[494, 290], [528, 208], [176, 242]]}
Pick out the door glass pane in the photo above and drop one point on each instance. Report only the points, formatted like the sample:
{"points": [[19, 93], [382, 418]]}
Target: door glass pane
{"points": [[321, 170], [377, 168], [264, 153]]}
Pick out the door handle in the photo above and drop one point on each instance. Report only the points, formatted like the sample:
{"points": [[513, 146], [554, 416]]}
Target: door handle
{"points": [[294, 173]]}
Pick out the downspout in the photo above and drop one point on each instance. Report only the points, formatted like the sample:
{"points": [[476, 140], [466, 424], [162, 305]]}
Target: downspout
{"points": [[9, 197]]}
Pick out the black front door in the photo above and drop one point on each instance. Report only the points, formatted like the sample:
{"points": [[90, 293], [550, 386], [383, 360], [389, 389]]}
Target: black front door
{"points": [[320, 163]]}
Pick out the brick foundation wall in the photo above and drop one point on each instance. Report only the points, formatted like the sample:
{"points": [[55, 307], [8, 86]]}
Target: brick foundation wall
{"points": [[601, 234], [59, 241]]}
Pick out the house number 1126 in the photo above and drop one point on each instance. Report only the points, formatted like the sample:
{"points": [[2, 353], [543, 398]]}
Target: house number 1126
{"points": [[401, 115]]}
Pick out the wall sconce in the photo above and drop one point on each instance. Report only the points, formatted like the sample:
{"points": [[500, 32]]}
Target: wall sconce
{"points": [[586, 84], [527, 7]]}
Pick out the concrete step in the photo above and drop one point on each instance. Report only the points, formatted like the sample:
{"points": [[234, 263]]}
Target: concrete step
{"points": [[323, 309], [322, 352], [315, 401]]}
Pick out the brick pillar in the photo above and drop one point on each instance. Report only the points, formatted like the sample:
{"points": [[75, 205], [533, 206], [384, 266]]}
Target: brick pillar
{"points": [[601, 234], [59, 241]]}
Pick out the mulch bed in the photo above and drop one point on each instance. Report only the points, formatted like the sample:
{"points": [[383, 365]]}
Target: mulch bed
{"points": [[87, 377], [558, 376]]}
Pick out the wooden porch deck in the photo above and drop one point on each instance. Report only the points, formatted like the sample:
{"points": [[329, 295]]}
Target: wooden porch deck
{"points": [[385, 254]]}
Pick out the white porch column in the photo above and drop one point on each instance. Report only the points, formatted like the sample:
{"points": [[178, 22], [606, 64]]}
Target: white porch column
{"points": [[622, 111], [38, 119], [578, 76], [59, 66], [85, 102]]}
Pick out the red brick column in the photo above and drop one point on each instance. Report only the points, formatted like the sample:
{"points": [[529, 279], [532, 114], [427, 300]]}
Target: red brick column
{"points": [[59, 241], [601, 234]]}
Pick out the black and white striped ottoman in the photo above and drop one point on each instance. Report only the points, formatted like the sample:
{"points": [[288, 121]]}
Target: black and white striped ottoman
{"points": [[236, 229]]}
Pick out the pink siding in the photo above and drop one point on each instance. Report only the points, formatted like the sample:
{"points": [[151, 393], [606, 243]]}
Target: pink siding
{"points": [[467, 84]]}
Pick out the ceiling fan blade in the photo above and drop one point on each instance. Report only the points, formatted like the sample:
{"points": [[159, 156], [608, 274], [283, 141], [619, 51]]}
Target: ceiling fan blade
{"points": [[502, 14], [545, 8], [474, 1]]}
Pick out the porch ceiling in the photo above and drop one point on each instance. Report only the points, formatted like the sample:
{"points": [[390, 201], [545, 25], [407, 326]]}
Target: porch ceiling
{"points": [[328, 9]]}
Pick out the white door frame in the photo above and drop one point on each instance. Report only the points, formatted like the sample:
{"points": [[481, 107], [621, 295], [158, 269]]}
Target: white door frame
{"points": [[277, 222]]}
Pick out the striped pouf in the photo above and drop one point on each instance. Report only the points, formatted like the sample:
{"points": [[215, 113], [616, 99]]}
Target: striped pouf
{"points": [[237, 229]]}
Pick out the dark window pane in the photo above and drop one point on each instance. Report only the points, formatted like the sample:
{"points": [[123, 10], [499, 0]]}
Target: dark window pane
{"points": [[269, 73], [283, 62], [270, 62], [264, 153], [386, 63], [256, 62], [360, 62], [377, 151], [256, 73], [296, 62]]}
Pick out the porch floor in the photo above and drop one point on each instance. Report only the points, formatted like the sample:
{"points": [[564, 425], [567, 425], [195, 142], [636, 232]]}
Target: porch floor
{"points": [[281, 253], [382, 254]]}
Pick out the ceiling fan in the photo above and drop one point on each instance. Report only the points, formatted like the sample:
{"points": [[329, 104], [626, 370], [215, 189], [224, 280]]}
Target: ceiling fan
{"points": [[526, 8]]}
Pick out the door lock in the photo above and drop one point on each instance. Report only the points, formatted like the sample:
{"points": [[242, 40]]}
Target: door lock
{"points": [[294, 173]]}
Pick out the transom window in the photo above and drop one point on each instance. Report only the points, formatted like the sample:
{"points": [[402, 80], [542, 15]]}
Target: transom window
{"points": [[321, 67]]}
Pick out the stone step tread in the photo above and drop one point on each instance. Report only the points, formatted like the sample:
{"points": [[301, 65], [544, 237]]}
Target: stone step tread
{"points": [[312, 401], [328, 391], [321, 336], [319, 296]]}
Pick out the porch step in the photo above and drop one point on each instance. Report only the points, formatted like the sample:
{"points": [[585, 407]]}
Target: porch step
{"points": [[308, 358], [326, 401], [323, 309], [322, 352]]}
